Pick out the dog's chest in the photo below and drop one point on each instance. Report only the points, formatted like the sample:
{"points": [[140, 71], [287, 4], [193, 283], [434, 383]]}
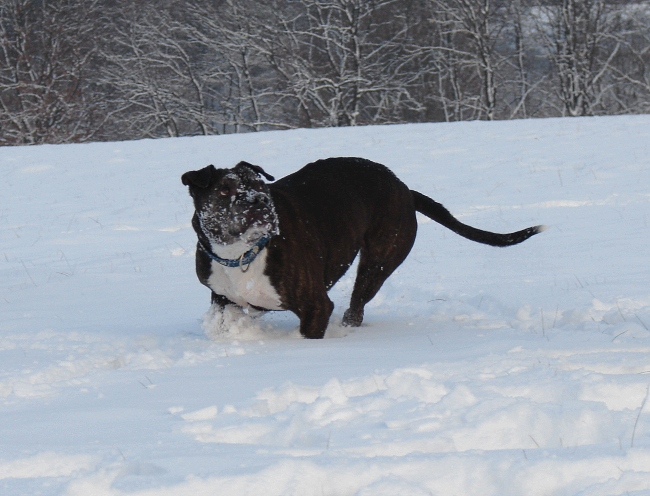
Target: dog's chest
{"points": [[252, 287]]}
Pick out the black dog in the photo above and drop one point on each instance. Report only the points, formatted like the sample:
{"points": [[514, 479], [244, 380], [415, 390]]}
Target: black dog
{"points": [[282, 246]]}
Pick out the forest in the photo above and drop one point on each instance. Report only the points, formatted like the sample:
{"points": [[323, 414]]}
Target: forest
{"points": [[101, 70]]}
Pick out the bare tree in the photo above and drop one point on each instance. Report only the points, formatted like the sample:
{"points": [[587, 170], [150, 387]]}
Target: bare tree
{"points": [[343, 62], [244, 86], [470, 35], [75, 70], [630, 69], [581, 41], [153, 75], [45, 53]]}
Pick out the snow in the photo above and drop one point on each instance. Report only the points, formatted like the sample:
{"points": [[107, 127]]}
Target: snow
{"points": [[478, 370]]}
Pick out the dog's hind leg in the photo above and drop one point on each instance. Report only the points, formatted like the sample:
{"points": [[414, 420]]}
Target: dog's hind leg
{"points": [[369, 281], [381, 254], [371, 275]]}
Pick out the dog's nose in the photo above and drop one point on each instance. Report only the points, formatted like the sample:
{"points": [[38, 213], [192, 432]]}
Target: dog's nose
{"points": [[260, 200]]}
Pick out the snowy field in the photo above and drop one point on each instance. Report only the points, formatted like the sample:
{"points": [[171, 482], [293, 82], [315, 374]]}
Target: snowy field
{"points": [[478, 371]]}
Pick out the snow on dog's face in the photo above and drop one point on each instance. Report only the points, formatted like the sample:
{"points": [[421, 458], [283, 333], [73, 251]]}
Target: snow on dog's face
{"points": [[231, 204]]}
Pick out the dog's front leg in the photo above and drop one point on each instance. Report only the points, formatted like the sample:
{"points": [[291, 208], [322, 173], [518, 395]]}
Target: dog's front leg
{"points": [[220, 300], [225, 318], [314, 317]]}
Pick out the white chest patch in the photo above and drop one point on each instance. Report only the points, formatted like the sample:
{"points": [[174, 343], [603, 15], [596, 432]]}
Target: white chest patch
{"points": [[245, 288]]}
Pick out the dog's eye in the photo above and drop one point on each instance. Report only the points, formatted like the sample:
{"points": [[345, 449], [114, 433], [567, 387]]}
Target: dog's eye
{"points": [[224, 191]]}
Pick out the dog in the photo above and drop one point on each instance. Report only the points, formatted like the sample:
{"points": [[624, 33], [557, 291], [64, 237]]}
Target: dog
{"points": [[283, 245]]}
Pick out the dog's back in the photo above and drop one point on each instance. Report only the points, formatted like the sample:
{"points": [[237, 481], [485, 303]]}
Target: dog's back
{"points": [[334, 180]]}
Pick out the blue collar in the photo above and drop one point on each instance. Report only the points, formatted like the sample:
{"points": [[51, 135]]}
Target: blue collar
{"points": [[246, 258]]}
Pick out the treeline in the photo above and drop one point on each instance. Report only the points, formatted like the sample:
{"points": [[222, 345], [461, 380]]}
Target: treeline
{"points": [[89, 70]]}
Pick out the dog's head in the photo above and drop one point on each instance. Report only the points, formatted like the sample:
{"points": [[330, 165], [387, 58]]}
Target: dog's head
{"points": [[232, 204]]}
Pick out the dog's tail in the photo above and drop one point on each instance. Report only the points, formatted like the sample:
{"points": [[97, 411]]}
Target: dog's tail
{"points": [[435, 211]]}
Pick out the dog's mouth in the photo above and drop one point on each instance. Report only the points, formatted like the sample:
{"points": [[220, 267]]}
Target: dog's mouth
{"points": [[255, 215], [238, 222], [259, 220]]}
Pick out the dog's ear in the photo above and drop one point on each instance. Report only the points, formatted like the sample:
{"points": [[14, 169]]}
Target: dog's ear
{"points": [[257, 169], [200, 178]]}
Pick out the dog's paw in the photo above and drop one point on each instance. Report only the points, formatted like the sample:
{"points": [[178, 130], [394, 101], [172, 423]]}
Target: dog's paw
{"points": [[230, 321], [352, 319]]}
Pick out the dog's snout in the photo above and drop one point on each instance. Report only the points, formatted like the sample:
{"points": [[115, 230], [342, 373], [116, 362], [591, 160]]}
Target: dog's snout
{"points": [[259, 200]]}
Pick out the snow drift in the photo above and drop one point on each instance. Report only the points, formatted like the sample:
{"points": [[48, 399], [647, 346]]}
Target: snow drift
{"points": [[479, 370]]}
